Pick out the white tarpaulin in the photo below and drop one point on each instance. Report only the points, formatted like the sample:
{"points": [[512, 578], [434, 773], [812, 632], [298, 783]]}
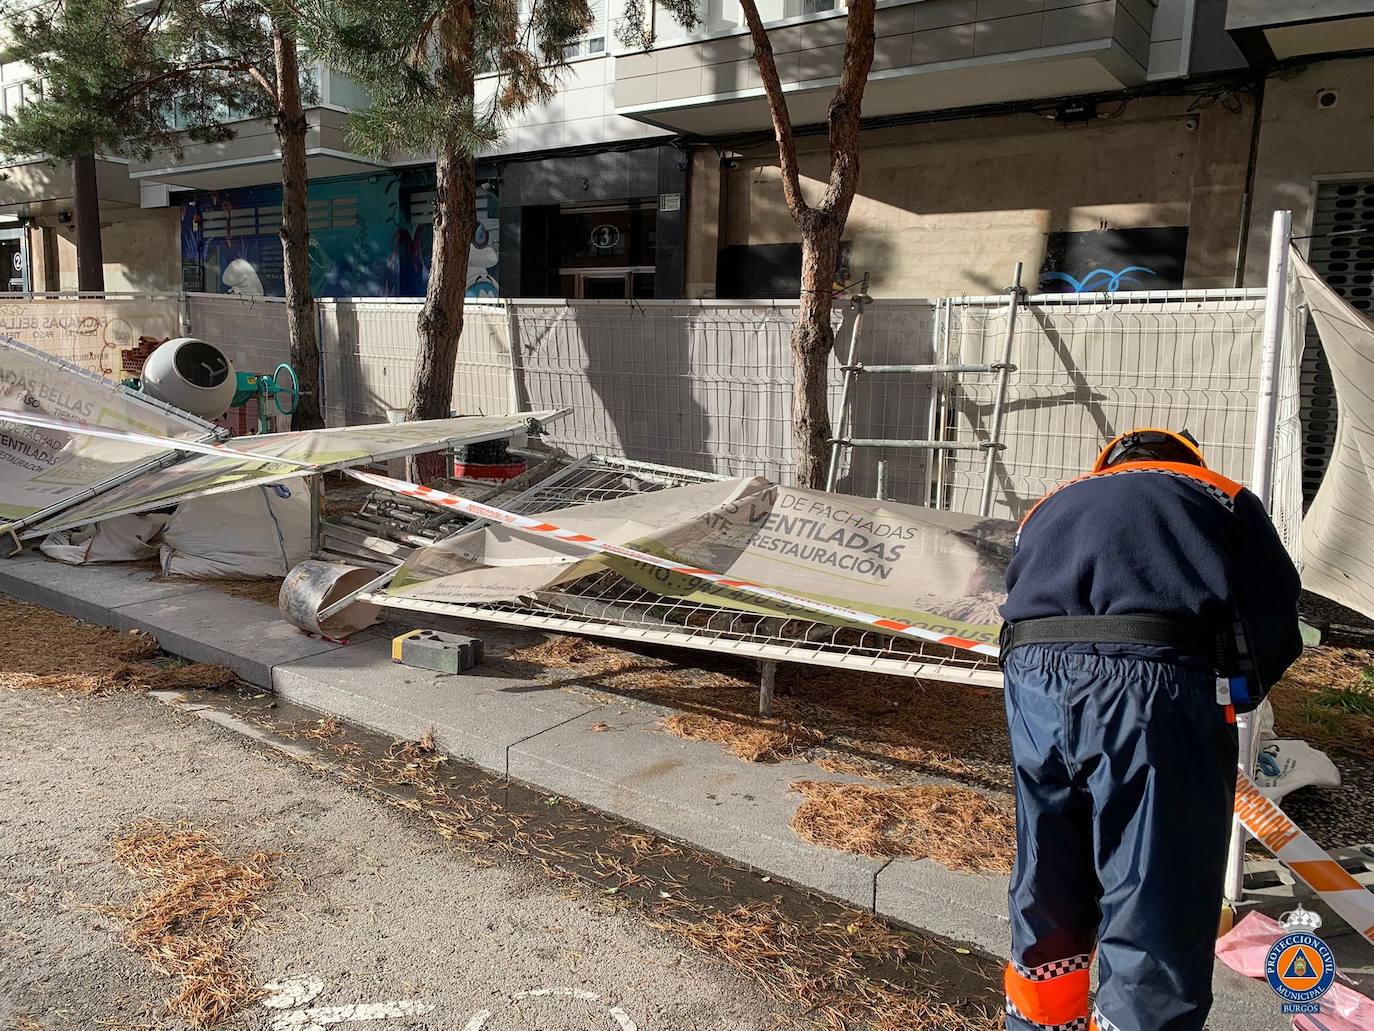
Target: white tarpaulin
{"points": [[938, 571], [259, 532], [43, 468], [1338, 530], [126, 539], [202, 475]]}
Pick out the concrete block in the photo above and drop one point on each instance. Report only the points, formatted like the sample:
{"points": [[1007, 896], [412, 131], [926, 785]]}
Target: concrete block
{"points": [[692, 791], [966, 907], [475, 716], [86, 592], [207, 625], [437, 651]]}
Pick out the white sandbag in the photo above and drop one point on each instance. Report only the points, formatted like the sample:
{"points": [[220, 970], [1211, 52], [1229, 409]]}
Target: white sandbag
{"points": [[1285, 765], [129, 538], [258, 532]]}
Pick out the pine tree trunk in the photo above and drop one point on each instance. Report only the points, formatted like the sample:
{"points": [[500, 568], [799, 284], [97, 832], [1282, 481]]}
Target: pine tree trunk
{"points": [[455, 221], [290, 125], [90, 256], [813, 338]]}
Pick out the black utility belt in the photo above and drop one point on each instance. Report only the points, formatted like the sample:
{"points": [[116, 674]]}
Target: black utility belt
{"points": [[1155, 631]]}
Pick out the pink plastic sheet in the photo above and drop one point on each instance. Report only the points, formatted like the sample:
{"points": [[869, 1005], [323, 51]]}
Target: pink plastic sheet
{"points": [[1244, 950]]}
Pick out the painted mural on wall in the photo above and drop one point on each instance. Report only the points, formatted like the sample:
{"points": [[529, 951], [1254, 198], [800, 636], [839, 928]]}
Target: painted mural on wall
{"points": [[370, 236], [1112, 260]]}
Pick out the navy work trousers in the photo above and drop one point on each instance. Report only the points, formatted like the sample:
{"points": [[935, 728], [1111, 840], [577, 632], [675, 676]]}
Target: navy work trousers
{"points": [[1125, 779]]}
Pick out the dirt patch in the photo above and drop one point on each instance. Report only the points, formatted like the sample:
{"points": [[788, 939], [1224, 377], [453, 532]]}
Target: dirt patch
{"points": [[43, 649], [1327, 698], [759, 741], [957, 827], [188, 923]]}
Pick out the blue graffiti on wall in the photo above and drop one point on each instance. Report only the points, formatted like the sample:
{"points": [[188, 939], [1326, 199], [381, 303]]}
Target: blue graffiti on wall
{"points": [[1111, 281], [368, 238]]}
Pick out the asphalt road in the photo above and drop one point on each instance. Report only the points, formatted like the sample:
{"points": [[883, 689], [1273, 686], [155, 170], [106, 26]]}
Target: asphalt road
{"points": [[379, 923]]}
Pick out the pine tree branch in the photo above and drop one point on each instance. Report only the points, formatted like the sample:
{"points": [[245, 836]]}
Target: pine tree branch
{"points": [[845, 111], [777, 111]]}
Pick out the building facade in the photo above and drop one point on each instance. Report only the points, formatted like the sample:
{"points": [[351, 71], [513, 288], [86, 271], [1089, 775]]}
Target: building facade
{"points": [[1107, 144]]}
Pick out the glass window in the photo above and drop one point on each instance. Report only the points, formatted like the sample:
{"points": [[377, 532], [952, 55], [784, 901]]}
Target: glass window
{"points": [[607, 237], [13, 98], [594, 42], [797, 8]]}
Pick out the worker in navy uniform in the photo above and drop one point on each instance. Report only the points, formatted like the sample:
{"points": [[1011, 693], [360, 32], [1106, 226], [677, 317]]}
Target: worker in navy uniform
{"points": [[1147, 603]]}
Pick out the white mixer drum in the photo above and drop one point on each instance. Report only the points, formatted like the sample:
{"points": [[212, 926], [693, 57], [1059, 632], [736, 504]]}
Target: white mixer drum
{"points": [[191, 375]]}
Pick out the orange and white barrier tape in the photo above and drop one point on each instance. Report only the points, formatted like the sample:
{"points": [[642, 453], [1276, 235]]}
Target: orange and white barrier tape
{"points": [[539, 528], [1352, 901]]}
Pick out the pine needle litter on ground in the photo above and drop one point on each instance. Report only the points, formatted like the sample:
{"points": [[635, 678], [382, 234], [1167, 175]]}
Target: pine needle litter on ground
{"points": [[265, 591], [188, 923], [44, 649], [1327, 698], [760, 741], [957, 827]]}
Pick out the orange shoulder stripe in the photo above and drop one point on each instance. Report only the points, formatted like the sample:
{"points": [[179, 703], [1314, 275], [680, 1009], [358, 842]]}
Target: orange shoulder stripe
{"points": [[1226, 486]]}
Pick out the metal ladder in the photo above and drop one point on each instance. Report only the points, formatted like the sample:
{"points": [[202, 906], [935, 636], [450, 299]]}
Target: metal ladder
{"points": [[853, 368]]}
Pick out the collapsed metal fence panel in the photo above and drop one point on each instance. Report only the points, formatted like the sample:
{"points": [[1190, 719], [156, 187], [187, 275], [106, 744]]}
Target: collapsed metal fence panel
{"points": [[707, 385]]}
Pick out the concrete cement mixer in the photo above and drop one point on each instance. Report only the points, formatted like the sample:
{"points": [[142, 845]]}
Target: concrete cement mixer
{"points": [[199, 378]]}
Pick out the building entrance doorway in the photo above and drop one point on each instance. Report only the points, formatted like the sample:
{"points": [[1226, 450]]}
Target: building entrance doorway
{"points": [[13, 264], [607, 252]]}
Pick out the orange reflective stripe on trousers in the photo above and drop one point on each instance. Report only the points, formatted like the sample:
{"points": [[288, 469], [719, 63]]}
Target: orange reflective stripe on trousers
{"points": [[1051, 996]]}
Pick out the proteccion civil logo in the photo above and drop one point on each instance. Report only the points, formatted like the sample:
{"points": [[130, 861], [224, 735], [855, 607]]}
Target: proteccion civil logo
{"points": [[1300, 967]]}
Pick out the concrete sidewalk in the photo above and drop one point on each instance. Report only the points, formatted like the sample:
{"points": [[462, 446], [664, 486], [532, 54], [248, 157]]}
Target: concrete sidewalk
{"points": [[605, 754]]}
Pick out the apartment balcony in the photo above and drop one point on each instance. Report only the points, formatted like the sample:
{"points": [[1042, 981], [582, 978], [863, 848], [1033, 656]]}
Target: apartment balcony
{"points": [[33, 187], [930, 55], [1268, 30], [252, 157]]}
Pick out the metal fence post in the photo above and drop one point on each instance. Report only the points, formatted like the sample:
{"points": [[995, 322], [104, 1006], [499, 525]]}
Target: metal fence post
{"points": [[994, 442], [320, 359], [1261, 483]]}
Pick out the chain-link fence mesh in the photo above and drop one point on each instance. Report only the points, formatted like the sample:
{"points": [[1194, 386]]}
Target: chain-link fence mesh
{"points": [[708, 385]]}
